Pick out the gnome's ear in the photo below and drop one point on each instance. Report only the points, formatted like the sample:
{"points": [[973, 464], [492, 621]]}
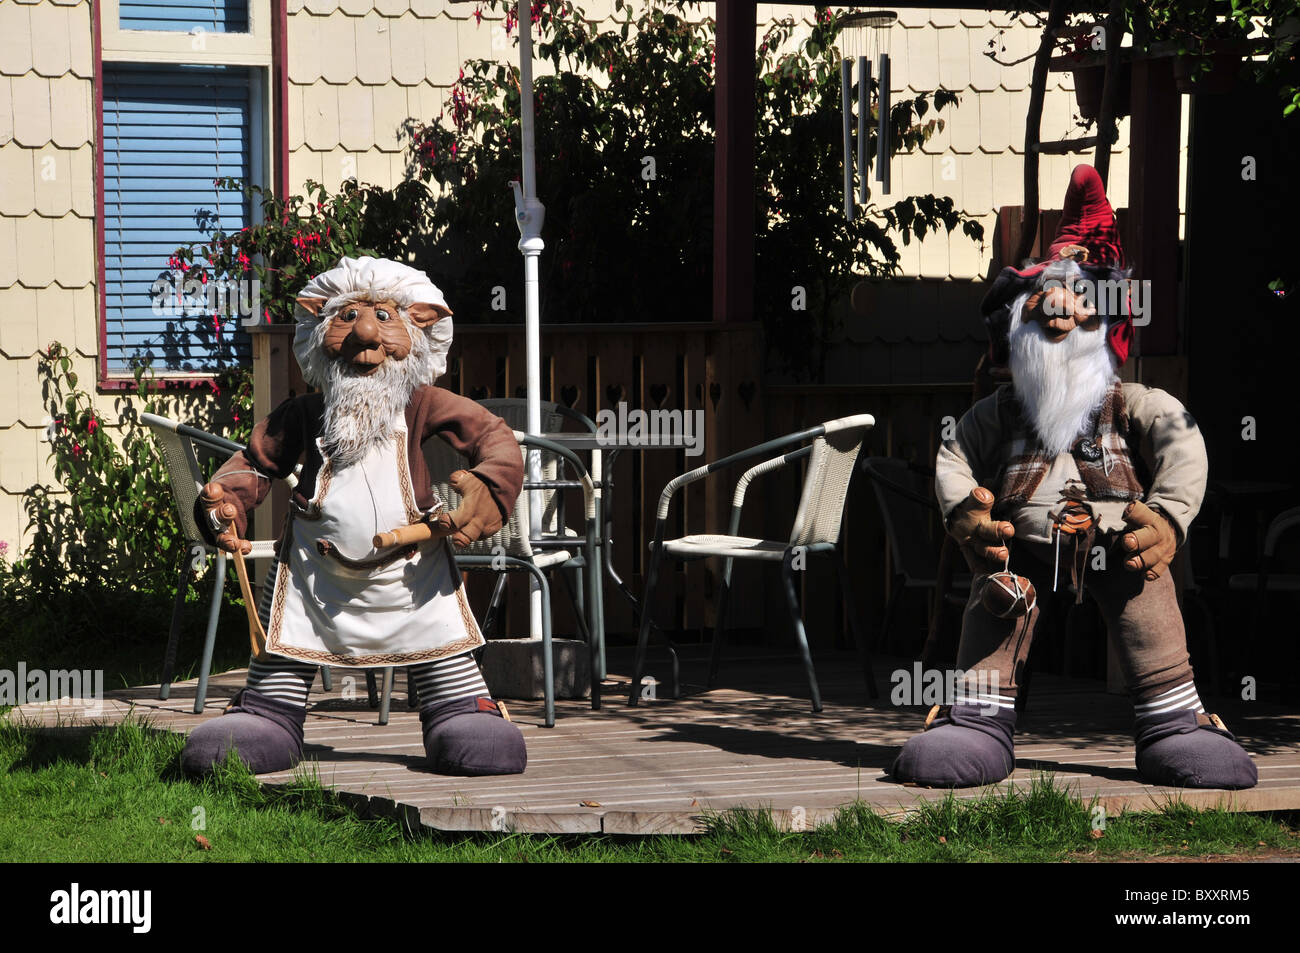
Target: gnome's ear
{"points": [[425, 315], [312, 304]]}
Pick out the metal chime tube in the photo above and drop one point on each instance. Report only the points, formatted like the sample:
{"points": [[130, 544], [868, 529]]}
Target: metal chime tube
{"points": [[846, 102], [864, 104], [884, 147]]}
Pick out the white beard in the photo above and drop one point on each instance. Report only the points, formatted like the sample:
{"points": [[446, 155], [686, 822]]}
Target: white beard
{"points": [[360, 409], [1060, 385]]}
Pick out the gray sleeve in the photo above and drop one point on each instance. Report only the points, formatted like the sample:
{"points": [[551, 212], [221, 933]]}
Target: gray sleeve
{"points": [[963, 461], [1174, 451]]}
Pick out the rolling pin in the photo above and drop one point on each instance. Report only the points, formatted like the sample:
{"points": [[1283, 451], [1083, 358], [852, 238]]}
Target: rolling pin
{"points": [[439, 527]]}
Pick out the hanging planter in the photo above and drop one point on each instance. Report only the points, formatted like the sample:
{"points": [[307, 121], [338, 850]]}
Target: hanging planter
{"points": [[1088, 82], [1213, 72]]}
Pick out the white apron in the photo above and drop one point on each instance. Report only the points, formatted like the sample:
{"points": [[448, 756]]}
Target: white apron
{"points": [[405, 611]]}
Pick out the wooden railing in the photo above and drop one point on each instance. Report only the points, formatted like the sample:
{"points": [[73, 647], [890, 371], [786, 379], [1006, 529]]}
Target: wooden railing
{"points": [[714, 368]]}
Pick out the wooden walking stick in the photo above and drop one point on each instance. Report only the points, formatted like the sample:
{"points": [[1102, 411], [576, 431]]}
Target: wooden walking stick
{"points": [[212, 497]]}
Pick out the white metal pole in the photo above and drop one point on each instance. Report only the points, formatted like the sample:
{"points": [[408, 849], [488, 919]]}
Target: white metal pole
{"points": [[529, 214]]}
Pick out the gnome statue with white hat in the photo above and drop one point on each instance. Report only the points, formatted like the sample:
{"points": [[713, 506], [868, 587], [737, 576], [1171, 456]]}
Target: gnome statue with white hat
{"points": [[1094, 486], [372, 337]]}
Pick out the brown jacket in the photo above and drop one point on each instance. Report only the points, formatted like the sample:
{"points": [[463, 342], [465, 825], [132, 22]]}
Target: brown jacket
{"points": [[288, 437]]}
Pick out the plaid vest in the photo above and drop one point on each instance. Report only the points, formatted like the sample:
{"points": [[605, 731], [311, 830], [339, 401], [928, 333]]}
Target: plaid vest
{"points": [[1105, 464]]}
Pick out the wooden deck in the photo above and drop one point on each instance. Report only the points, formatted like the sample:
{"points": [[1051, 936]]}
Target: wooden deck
{"points": [[662, 767]]}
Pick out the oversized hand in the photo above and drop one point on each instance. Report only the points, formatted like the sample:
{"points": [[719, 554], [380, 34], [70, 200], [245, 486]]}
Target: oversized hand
{"points": [[477, 517], [1150, 541], [224, 512], [979, 536]]}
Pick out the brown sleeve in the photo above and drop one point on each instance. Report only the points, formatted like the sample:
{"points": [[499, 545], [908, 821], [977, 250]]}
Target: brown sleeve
{"points": [[272, 453], [480, 435]]}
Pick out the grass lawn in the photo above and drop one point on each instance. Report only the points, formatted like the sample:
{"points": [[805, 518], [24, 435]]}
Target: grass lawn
{"points": [[114, 794]]}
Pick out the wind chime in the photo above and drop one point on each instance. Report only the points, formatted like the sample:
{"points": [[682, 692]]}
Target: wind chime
{"points": [[864, 37]]}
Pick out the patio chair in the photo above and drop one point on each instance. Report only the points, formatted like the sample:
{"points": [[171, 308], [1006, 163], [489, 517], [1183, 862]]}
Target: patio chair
{"points": [[907, 509], [511, 550], [514, 411], [830, 460], [1267, 579], [180, 444]]}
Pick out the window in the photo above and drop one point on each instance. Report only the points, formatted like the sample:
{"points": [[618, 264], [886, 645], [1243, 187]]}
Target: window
{"points": [[168, 132], [184, 101], [217, 16]]}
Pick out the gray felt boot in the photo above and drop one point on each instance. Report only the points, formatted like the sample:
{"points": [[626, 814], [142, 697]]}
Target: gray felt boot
{"points": [[1186, 750], [960, 748], [266, 734], [468, 736]]}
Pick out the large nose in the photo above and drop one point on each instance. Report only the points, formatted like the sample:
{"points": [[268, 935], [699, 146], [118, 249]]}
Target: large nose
{"points": [[365, 330]]}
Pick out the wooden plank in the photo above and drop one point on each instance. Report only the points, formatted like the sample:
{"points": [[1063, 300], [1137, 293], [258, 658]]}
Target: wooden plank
{"points": [[652, 822]]}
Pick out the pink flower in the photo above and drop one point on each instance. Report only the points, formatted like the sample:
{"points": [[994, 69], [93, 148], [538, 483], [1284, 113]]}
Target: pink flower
{"points": [[76, 449], [93, 425], [4, 547], [478, 17]]}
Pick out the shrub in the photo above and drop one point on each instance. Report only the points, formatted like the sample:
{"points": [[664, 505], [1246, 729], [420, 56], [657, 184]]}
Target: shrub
{"points": [[105, 544]]}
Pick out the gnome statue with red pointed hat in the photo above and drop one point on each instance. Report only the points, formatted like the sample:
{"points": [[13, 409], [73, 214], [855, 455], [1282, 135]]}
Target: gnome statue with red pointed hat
{"points": [[1066, 482]]}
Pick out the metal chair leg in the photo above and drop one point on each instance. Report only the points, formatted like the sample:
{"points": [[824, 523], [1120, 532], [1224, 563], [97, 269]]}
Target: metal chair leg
{"points": [[855, 623], [890, 611], [575, 600], [326, 678], [174, 634], [210, 640], [720, 624], [643, 633], [386, 698], [372, 689], [548, 658], [492, 617], [801, 637]]}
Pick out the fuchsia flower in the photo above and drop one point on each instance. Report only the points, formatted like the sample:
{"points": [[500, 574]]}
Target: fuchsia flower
{"points": [[4, 547], [93, 425], [478, 17]]}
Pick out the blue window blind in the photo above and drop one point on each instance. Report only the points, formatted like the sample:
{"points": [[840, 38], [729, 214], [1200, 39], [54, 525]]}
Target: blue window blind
{"points": [[169, 131], [182, 16]]}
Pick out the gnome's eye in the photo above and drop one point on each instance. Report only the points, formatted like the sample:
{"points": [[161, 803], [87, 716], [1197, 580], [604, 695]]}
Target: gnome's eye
{"points": [[351, 315], [381, 314]]}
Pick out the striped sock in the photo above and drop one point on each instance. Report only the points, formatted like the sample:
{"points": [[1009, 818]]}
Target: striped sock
{"points": [[988, 700], [455, 677], [282, 679], [1182, 698]]}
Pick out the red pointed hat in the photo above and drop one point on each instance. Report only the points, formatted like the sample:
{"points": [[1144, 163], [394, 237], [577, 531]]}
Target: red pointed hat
{"points": [[1088, 220], [1089, 233]]}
